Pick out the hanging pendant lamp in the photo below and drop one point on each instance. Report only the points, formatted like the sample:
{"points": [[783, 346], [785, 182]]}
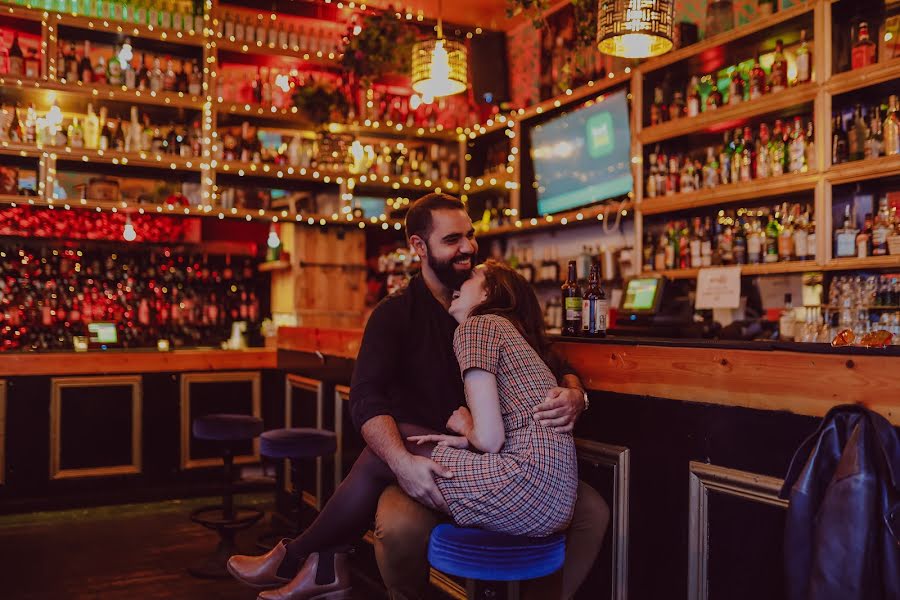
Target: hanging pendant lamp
{"points": [[635, 28], [439, 66]]}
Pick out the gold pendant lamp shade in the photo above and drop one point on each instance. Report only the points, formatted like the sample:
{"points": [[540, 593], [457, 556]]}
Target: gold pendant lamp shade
{"points": [[440, 67], [635, 28]]}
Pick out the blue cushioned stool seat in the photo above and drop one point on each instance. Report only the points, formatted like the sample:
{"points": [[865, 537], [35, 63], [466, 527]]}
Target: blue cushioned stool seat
{"points": [[297, 443], [488, 556], [227, 427]]}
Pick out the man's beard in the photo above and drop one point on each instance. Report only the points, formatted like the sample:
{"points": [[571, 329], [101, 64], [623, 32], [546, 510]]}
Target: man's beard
{"points": [[447, 273]]}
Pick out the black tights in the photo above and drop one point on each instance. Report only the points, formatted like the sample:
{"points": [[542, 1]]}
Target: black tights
{"points": [[349, 512]]}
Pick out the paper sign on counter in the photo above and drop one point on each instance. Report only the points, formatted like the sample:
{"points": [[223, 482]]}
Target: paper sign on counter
{"points": [[718, 287]]}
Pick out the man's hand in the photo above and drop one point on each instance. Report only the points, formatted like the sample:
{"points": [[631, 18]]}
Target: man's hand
{"points": [[461, 421], [560, 409], [416, 477], [454, 441]]}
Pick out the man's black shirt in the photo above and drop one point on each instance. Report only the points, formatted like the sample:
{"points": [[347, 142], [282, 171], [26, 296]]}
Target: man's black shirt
{"points": [[406, 367]]}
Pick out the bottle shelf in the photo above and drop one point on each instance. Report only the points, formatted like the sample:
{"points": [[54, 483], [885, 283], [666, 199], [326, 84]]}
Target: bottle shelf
{"points": [[726, 116], [758, 25], [799, 266], [862, 170], [404, 182], [105, 92], [319, 58], [274, 265], [593, 214], [592, 88], [870, 262], [8, 148], [25, 13], [186, 37], [734, 192], [489, 183], [860, 78], [242, 169], [126, 159]]}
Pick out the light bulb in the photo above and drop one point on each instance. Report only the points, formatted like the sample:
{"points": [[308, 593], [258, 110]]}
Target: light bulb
{"points": [[274, 241], [129, 233], [415, 101]]}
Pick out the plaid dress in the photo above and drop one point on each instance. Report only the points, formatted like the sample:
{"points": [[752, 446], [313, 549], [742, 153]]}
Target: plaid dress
{"points": [[529, 487]]}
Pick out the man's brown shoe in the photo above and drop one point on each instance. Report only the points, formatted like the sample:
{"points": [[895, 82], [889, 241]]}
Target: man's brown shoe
{"points": [[259, 572], [304, 586]]}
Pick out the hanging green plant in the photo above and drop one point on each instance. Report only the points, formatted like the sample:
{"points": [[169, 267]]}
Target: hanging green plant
{"points": [[584, 13], [533, 9], [378, 45], [321, 102]]}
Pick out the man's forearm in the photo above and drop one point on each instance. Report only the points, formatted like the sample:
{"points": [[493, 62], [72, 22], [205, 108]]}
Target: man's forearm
{"points": [[383, 437]]}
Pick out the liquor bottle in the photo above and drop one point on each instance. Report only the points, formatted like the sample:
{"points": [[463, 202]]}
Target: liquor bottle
{"points": [[801, 235], [891, 127], [778, 80], [755, 243], [32, 65], [30, 125], [714, 99], [875, 141], [840, 151], [786, 235], [736, 151], [260, 34], [758, 83], [16, 132], [694, 99], [695, 242], [91, 129], [797, 148], [706, 243], [786, 321], [845, 237], [195, 80], [228, 26], [73, 67], [882, 228], [804, 60], [777, 150], [133, 138], [156, 75], [676, 108], [710, 169], [130, 77], [76, 134], [747, 157], [864, 239], [595, 306], [170, 79], [16, 58], [762, 167], [143, 74], [572, 303], [658, 108], [104, 141], [859, 133], [810, 146], [736, 88], [740, 243], [725, 159], [863, 53], [810, 238], [773, 230], [114, 69]]}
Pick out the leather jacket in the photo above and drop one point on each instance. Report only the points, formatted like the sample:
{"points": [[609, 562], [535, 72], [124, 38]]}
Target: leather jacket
{"points": [[842, 533]]}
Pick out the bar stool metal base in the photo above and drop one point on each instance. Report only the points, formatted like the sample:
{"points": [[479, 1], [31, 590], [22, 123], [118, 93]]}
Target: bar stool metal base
{"points": [[215, 518]]}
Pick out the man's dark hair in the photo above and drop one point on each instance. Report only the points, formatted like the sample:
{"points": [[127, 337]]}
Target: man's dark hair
{"points": [[418, 217]]}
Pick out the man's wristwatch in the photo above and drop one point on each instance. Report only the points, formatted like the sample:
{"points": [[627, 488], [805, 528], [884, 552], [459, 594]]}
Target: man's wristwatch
{"points": [[587, 402]]}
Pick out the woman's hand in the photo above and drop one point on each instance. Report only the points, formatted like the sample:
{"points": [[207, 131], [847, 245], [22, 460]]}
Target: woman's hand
{"points": [[461, 421], [454, 441]]}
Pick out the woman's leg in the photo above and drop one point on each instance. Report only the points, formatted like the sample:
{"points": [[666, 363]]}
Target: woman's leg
{"points": [[350, 511]]}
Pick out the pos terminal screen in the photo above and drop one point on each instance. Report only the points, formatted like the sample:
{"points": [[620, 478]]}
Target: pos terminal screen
{"points": [[640, 295]]}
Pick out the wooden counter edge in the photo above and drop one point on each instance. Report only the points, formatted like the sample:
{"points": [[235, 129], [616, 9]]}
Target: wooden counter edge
{"points": [[116, 362], [798, 382]]}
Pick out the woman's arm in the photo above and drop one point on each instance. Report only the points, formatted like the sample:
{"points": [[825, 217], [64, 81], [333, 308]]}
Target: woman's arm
{"points": [[486, 433]]}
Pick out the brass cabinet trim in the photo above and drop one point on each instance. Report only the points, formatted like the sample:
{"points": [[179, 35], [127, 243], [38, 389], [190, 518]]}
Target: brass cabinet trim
{"points": [[187, 379], [733, 482], [617, 458], [311, 385], [57, 385]]}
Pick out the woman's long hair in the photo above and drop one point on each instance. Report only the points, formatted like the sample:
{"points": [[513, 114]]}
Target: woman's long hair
{"points": [[510, 296]]}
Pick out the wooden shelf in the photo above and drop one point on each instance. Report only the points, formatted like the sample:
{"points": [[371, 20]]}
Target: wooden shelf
{"points": [[121, 94], [133, 159], [871, 262], [274, 265], [800, 266], [770, 103], [242, 169], [592, 88], [21, 12], [404, 182], [25, 150], [537, 224], [861, 170], [323, 59], [865, 77], [749, 190], [187, 37], [755, 26], [488, 183]]}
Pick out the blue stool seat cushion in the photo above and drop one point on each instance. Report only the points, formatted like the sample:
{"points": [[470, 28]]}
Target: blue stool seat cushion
{"points": [[297, 443], [227, 427], [488, 556]]}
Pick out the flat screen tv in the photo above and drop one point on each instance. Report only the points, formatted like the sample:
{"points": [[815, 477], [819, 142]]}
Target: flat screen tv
{"points": [[583, 156]]}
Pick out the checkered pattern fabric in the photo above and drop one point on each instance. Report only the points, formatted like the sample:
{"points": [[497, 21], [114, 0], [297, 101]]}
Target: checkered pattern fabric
{"points": [[529, 487]]}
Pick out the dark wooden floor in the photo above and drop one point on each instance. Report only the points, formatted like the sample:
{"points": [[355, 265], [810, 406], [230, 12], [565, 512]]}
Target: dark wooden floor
{"points": [[132, 552]]}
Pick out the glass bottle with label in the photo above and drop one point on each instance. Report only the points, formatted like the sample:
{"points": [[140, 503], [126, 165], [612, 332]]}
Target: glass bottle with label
{"points": [[845, 237], [786, 321], [797, 149], [778, 79], [859, 133], [773, 230], [881, 229], [864, 239], [736, 88], [804, 60], [840, 151], [863, 53], [694, 99], [714, 99], [16, 58], [890, 129], [572, 302], [595, 306], [758, 83], [777, 150]]}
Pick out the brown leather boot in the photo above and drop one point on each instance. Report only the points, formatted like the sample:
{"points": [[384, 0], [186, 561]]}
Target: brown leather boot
{"points": [[304, 586], [260, 572]]}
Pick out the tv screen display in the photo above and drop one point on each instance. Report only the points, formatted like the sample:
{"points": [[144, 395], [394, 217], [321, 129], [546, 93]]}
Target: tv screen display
{"points": [[583, 156]]}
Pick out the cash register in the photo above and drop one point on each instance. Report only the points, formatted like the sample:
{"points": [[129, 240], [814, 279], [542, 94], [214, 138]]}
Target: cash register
{"points": [[656, 307]]}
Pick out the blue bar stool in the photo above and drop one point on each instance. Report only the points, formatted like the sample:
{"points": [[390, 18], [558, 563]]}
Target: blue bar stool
{"points": [[480, 555], [226, 519], [299, 445]]}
